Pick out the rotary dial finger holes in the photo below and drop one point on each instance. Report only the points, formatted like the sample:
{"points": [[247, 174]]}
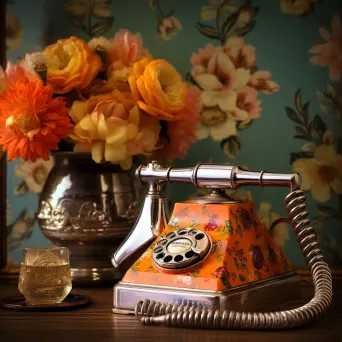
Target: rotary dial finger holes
{"points": [[181, 249]]}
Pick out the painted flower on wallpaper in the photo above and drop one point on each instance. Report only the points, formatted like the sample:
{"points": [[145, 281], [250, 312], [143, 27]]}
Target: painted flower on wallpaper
{"points": [[329, 52], [216, 123], [34, 175], [322, 173], [227, 74], [280, 233], [14, 32], [297, 7], [320, 160], [93, 17], [20, 230], [230, 84], [168, 25]]}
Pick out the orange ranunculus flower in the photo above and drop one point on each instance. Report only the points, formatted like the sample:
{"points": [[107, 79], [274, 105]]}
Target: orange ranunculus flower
{"points": [[158, 89], [74, 65]]}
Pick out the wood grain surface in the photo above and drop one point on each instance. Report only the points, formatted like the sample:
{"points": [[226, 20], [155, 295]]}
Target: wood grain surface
{"points": [[97, 323]]}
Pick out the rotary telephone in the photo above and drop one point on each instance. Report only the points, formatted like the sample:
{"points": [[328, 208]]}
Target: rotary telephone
{"points": [[212, 263]]}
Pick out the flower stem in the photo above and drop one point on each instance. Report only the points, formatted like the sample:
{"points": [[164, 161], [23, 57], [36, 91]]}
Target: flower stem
{"points": [[160, 14], [218, 24], [89, 20]]}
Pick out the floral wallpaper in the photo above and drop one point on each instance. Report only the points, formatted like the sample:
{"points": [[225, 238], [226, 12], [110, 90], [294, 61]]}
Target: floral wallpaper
{"points": [[269, 74]]}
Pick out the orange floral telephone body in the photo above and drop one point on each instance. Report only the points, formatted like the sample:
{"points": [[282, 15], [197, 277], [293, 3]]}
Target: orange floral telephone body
{"points": [[212, 264], [241, 251]]}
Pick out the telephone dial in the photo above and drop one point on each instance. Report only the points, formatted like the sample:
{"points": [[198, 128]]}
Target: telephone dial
{"points": [[212, 264], [180, 250]]}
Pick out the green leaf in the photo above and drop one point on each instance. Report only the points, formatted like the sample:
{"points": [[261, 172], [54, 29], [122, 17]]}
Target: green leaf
{"points": [[302, 137], [300, 130], [20, 189], [231, 146], [305, 112], [78, 21], [292, 115], [319, 126], [101, 26], [229, 23], [313, 133], [208, 31], [327, 211], [298, 100], [242, 31]]}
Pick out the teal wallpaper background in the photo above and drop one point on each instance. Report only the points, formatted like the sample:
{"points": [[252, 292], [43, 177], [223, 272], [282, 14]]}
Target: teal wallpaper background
{"points": [[292, 122]]}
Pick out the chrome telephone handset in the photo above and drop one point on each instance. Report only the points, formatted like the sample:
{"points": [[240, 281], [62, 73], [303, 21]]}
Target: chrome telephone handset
{"points": [[153, 218]]}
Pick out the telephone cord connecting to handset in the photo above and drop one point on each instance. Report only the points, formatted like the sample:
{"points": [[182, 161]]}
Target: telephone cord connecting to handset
{"points": [[149, 312]]}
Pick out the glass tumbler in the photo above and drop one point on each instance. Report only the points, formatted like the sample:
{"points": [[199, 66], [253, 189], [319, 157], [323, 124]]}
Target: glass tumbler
{"points": [[45, 276]]}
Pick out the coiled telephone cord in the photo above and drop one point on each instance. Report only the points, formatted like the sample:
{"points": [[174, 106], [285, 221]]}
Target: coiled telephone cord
{"points": [[150, 312]]}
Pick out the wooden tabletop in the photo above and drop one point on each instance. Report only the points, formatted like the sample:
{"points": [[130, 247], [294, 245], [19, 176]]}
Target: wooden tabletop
{"points": [[97, 323]]}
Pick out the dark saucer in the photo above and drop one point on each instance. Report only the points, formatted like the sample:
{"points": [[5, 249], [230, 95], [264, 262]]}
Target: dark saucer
{"points": [[72, 301]]}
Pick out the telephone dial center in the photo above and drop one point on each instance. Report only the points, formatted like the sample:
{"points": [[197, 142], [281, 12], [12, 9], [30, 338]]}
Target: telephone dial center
{"points": [[179, 246]]}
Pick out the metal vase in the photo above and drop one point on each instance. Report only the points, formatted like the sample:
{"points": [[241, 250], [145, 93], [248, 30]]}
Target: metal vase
{"points": [[89, 208]]}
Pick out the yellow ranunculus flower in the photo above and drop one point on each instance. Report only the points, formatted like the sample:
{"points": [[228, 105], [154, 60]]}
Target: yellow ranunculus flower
{"points": [[73, 65], [113, 128], [158, 89]]}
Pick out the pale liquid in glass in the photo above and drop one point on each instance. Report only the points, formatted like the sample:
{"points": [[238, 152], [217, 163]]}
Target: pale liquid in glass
{"points": [[45, 284]]}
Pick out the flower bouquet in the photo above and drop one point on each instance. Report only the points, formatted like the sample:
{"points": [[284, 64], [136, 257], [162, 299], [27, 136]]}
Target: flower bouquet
{"points": [[109, 97]]}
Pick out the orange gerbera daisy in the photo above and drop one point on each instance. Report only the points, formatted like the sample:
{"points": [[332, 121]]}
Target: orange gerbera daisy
{"points": [[31, 121]]}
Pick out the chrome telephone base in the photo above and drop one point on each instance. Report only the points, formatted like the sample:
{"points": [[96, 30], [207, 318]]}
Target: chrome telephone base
{"points": [[258, 296]]}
